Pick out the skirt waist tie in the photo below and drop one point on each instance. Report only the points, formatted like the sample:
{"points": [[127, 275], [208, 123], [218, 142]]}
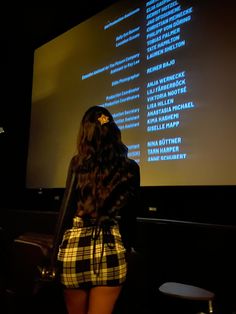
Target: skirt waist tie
{"points": [[107, 238]]}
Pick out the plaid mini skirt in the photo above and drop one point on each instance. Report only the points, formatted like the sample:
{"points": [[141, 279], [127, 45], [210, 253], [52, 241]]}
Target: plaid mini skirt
{"points": [[91, 255]]}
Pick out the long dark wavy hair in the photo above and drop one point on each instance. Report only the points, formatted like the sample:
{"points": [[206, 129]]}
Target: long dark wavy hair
{"points": [[100, 163]]}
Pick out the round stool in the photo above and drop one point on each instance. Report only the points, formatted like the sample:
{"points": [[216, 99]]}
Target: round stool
{"points": [[188, 292]]}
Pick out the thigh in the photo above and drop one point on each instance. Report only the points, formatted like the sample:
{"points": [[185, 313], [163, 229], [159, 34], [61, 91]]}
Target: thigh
{"points": [[76, 301], [102, 299]]}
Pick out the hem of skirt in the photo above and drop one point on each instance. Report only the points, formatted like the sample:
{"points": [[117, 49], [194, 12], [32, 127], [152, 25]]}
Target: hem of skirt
{"points": [[89, 286]]}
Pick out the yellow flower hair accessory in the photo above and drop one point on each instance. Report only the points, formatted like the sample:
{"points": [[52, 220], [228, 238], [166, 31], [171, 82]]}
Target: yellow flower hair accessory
{"points": [[103, 119]]}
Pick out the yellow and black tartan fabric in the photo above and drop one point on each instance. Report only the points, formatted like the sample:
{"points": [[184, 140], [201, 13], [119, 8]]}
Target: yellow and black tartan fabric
{"points": [[92, 255]]}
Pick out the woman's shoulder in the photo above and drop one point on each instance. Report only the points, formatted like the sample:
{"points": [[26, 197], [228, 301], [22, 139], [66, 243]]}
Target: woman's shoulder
{"points": [[133, 164], [73, 162], [133, 167], [73, 159]]}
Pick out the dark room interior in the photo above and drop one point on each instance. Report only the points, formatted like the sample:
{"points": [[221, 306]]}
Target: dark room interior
{"points": [[185, 233]]}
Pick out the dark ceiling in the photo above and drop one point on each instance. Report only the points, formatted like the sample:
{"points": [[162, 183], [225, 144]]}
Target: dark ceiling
{"points": [[36, 25]]}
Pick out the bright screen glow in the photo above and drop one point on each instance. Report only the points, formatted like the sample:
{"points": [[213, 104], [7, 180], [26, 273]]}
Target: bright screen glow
{"points": [[166, 71]]}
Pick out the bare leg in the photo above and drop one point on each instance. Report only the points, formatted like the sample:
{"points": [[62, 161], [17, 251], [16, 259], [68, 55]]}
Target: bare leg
{"points": [[76, 301], [102, 299]]}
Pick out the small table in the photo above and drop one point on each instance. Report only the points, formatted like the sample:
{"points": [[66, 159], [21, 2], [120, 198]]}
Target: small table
{"points": [[189, 292]]}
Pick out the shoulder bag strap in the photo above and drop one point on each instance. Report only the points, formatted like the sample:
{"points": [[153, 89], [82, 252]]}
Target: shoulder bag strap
{"points": [[63, 212]]}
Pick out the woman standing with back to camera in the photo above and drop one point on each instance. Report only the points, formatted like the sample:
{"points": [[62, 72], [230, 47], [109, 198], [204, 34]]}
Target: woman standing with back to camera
{"points": [[92, 255]]}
